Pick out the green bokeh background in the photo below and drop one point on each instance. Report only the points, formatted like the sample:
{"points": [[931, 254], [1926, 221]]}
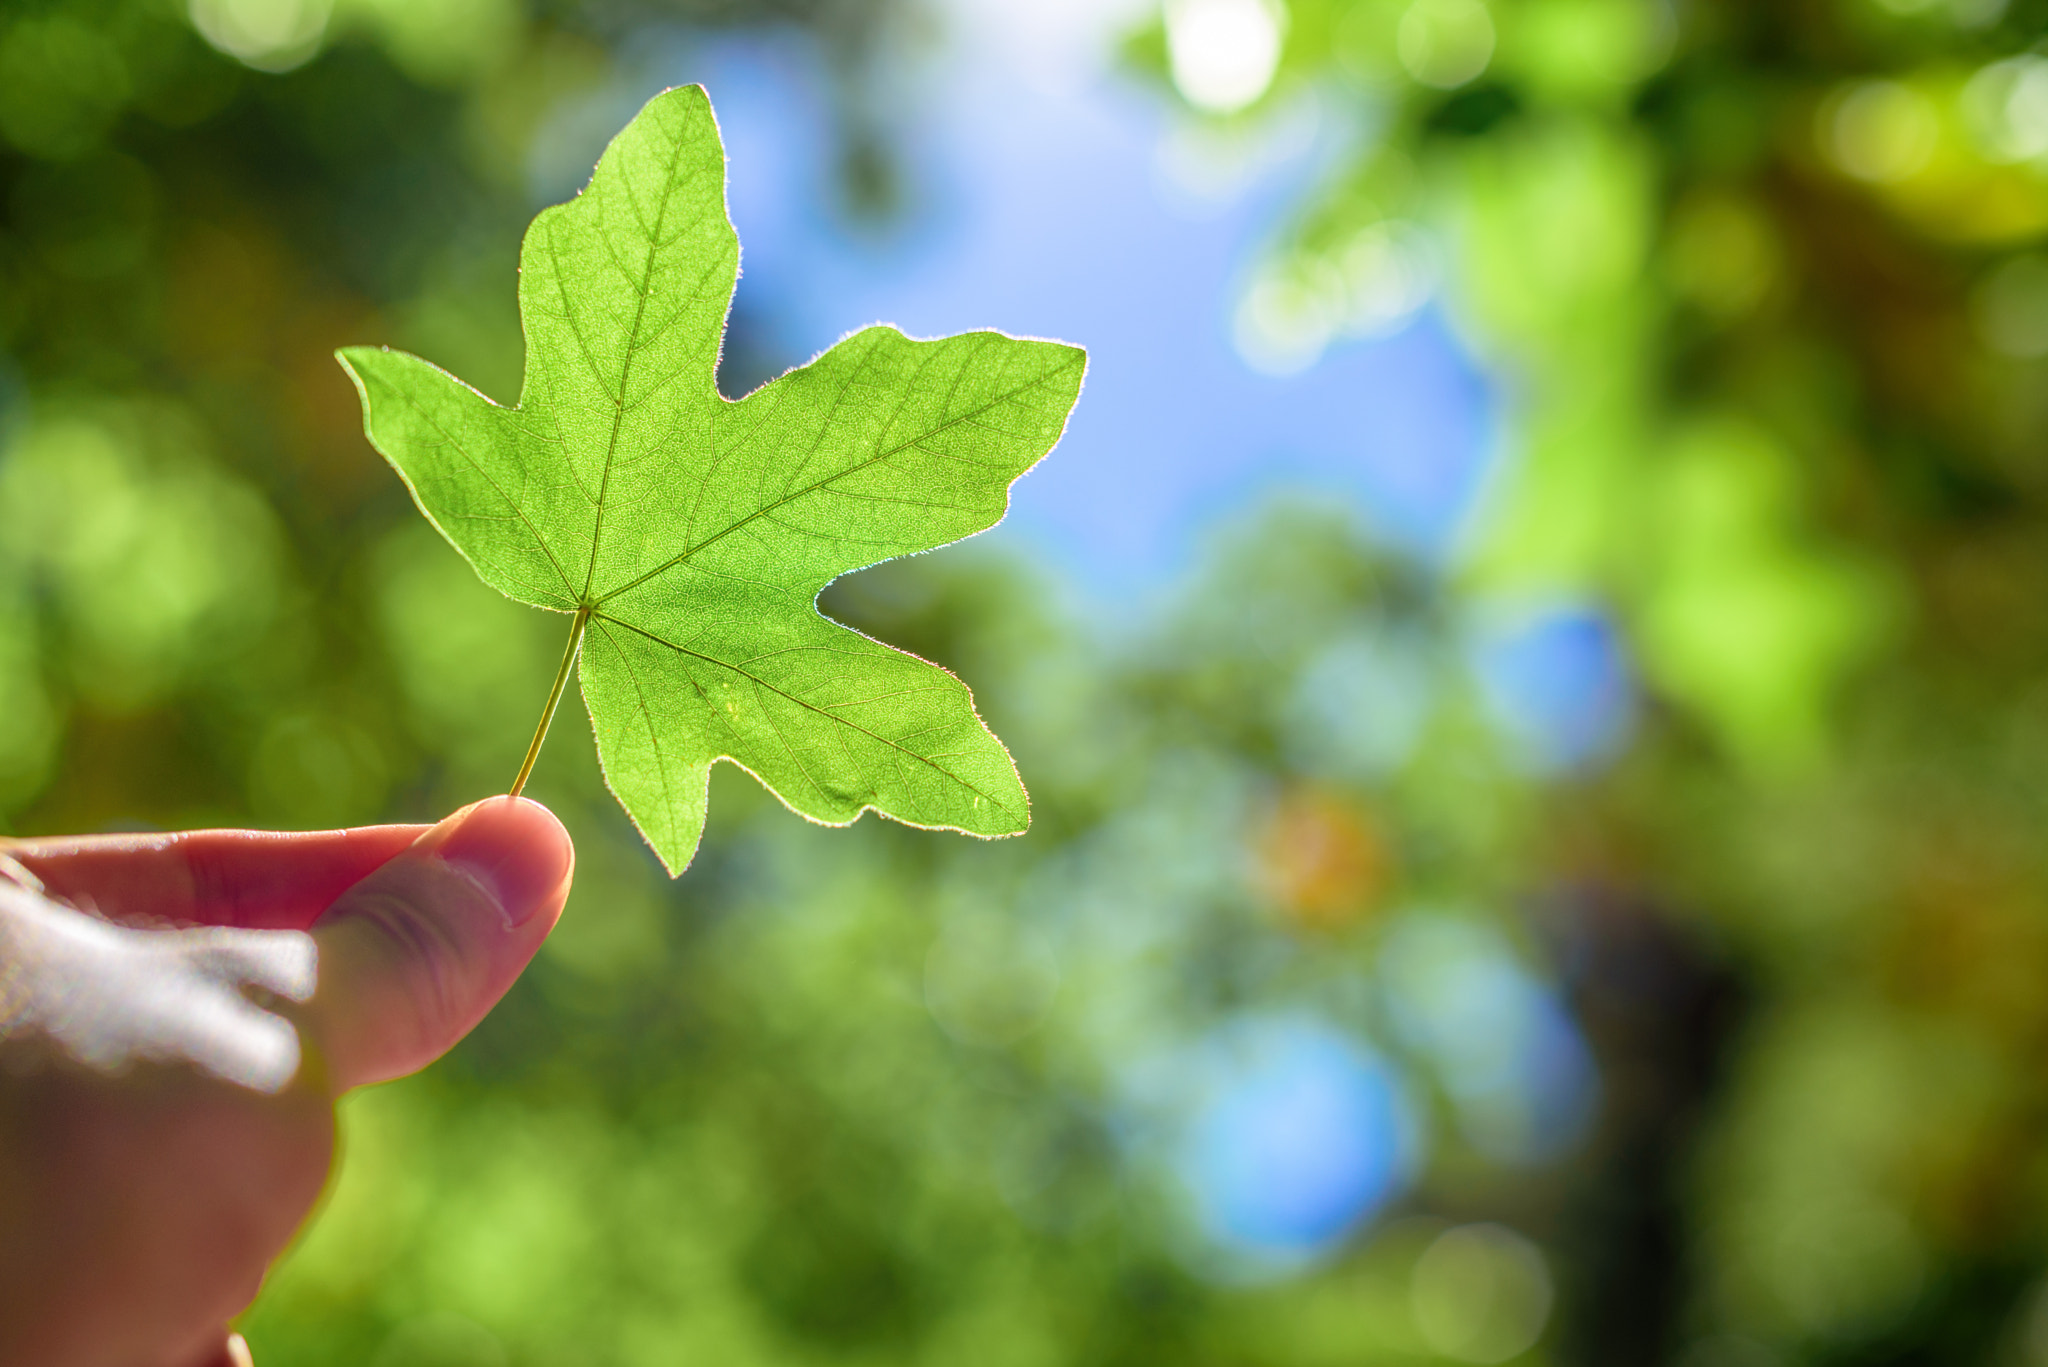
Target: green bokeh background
{"points": [[1763, 280]]}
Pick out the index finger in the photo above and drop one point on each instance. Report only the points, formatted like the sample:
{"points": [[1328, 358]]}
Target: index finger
{"points": [[259, 880]]}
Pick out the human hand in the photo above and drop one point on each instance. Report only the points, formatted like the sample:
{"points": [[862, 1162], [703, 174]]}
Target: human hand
{"points": [[162, 1135]]}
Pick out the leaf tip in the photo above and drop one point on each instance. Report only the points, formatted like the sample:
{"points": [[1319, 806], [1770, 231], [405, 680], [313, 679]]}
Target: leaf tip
{"points": [[349, 358]]}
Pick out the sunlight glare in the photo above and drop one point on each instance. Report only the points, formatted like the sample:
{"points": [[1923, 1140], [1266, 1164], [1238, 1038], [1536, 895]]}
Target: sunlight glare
{"points": [[2006, 106], [1445, 43], [1224, 52], [1481, 1293], [270, 35], [1880, 131]]}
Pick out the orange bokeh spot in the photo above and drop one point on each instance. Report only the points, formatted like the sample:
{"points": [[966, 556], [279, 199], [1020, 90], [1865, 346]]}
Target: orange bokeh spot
{"points": [[1321, 860]]}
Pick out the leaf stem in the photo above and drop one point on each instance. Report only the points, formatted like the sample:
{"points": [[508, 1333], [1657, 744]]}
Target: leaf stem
{"points": [[540, 733]]}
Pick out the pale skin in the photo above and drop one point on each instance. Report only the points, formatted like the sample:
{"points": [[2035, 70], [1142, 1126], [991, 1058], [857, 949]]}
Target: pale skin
{"points": [[162, 1134]]}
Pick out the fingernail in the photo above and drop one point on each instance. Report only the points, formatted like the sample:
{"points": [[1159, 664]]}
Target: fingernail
{"points": [[514, 849]]}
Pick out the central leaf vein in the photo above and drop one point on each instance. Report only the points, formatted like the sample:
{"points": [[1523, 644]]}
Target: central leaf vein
{"points": [[668, 190]]}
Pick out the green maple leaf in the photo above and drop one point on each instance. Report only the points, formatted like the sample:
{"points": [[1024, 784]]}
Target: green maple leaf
{"points": [[689, 535]]}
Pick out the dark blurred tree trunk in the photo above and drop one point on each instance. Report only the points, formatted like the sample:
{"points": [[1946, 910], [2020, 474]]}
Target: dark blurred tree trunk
{"points": [[1661, 1011]]}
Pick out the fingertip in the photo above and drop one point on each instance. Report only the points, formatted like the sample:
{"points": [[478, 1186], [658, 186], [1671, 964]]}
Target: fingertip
{"points": [[414, 955], [515, 849]]}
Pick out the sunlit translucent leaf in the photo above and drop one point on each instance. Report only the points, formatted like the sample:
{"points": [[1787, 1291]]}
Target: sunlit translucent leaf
{"points": [[693, 533]]}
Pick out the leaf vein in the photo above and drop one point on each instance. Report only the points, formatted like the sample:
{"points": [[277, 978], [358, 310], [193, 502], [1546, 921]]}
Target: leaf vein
{"points": [[891, 745]]}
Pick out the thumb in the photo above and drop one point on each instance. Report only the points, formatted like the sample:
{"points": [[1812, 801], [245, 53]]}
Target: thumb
{"points": [[414, 955]]}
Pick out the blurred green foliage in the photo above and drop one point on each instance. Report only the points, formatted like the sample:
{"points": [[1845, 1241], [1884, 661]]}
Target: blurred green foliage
{"points": [[1762, 282]]}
